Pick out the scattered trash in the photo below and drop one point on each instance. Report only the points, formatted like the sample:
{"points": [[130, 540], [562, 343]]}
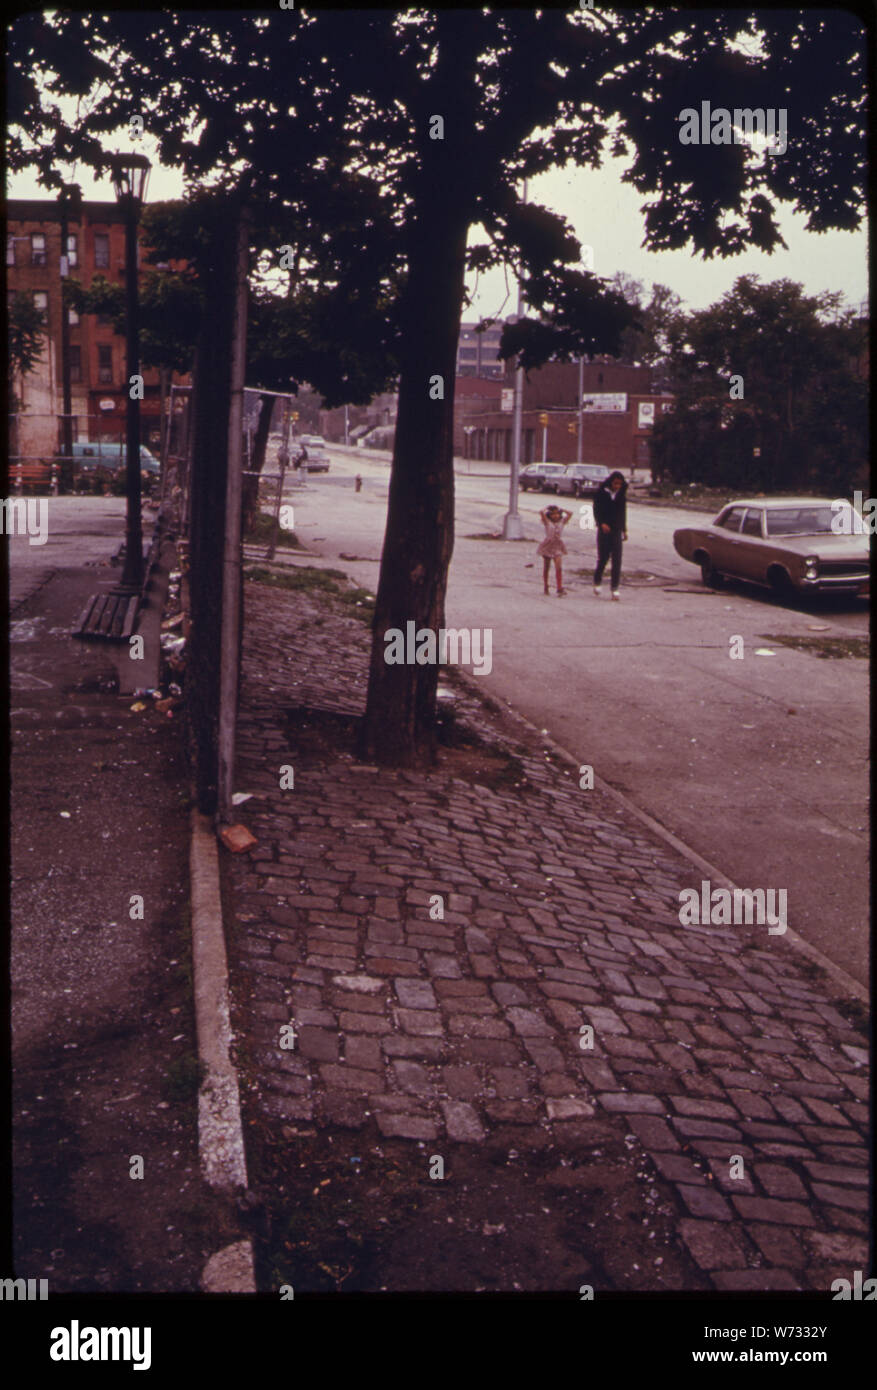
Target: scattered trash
{"points": [[764, 651], [65, 814], [747, 726], [239, 798], [173, 645], [175, 689], [138, 706], [152, 691], [172, 622], [817, 627], [488, 1230], [237, 838]]}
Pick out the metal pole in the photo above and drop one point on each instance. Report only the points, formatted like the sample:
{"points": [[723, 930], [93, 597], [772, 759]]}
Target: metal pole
{"points": [[231, 568], [132, 575], [512, 528], [66, 422], [581, 398], [544, 443]]}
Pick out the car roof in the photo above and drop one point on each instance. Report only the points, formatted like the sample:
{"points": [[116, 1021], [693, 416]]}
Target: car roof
{"points": [[780, 502]]}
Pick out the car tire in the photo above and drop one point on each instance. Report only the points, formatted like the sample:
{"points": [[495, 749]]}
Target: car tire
{"points": [[711, 577], [781, 584]]}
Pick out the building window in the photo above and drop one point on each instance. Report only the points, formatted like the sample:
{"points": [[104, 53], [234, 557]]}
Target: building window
{"points": [[10, 250], [37, 249], [72, 317], [101, 251], [74, 357], [72, 250], [105, 363], [41, 301]]}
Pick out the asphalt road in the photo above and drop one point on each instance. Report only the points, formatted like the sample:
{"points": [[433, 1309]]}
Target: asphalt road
{"points": [[759, 764]]}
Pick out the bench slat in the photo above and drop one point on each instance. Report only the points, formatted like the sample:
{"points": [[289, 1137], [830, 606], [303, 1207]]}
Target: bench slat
{"points": [[130, 616], [84, 616]]}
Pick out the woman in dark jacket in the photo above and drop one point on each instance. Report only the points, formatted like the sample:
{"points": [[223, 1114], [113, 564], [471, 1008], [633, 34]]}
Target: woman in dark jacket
{"points": [[610, 514]]}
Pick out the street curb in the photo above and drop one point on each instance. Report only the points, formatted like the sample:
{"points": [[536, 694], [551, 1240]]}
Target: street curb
{"points": [[220, 1133], [715, 875]]}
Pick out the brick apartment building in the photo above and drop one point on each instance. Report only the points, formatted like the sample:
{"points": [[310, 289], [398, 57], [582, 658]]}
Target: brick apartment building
{"points": [[98, 384], [620, 406]]}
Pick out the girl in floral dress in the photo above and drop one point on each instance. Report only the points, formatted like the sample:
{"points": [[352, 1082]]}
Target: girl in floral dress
{"points": [[552, 548]]}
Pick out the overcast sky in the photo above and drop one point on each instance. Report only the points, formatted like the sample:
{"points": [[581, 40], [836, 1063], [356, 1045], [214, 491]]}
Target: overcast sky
{"points": [[605, 214]]}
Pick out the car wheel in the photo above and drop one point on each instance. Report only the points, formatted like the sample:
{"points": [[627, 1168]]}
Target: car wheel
{"points": [[711, 578], [781, 584]]}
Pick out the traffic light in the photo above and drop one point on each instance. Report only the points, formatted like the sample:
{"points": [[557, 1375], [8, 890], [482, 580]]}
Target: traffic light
{"points": [[543, 419], [572, 427]]}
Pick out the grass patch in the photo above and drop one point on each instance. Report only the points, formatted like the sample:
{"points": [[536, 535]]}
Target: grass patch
{"points": [[827, 648], [262, 533], [303, 577]]}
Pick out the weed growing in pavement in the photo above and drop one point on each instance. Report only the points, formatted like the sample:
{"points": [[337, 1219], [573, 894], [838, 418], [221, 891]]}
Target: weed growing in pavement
{"points": [[261, 532], [184, 1077]]}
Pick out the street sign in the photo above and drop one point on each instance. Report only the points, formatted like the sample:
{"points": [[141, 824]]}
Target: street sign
{"points": [[507, 399], [606, 402], [646, 414]]}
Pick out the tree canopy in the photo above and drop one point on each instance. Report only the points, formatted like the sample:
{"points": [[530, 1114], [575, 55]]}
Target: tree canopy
{"points": [[767, 368], [382, 138]]}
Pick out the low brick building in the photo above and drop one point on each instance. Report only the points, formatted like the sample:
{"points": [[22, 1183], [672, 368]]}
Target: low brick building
{"points": [[618, 411]]}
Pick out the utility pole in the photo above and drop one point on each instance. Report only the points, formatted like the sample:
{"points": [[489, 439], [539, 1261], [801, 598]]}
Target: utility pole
{"points": [[512, 528], [70, 203], [581, 398], [229, 669]]}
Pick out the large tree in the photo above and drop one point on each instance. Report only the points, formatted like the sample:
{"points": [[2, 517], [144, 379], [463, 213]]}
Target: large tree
{"points": [[409, 129], [770, 391]]}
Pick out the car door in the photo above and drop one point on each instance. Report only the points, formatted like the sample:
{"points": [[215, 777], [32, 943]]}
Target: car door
{"points": [[724, 541], [751, 552]]}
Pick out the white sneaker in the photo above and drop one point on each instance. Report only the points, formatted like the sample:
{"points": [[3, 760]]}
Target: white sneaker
{"points": [[616, 595], [597, 591]]}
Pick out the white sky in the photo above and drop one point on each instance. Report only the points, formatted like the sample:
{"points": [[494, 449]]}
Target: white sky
{"points": [[605, 214]]}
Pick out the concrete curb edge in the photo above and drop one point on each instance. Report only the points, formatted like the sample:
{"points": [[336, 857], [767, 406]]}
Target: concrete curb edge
{"points": [[220, 1132]]}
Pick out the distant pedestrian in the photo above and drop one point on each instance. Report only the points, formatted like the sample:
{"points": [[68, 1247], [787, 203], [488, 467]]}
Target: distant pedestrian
{"points": [[358, 483], [552, 548], [610, 514]]}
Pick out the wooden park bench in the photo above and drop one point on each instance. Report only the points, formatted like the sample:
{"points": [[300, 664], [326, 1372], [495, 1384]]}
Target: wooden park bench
{"points": [[111, 617], [34, 475]]}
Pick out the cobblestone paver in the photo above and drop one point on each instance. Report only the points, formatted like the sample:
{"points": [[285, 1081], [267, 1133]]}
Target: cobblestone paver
{"points": [[711, 1044]]}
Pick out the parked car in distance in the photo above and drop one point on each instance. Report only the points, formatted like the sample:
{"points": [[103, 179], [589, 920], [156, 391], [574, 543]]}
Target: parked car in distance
{"points": [[782, 543], [580, 479], [318, 459], [99, 456], [538, 476]]}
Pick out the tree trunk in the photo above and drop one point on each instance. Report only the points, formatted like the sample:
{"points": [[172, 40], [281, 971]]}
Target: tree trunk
{"points": [[210, 409], [250, 493], [399, 724]]}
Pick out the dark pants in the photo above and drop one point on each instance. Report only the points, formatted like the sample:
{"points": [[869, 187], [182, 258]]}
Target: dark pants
{"points": [[608, 545]]}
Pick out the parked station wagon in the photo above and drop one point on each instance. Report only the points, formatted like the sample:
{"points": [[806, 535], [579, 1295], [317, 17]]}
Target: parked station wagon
{"points": [[783, 543], [539, 476], [579, 479]]}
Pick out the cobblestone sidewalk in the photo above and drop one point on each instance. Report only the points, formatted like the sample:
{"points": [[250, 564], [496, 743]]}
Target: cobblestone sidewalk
{"points": [[710, 1044]]}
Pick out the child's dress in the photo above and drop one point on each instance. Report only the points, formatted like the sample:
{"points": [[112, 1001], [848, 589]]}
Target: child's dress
{"points": [[553, 545]]}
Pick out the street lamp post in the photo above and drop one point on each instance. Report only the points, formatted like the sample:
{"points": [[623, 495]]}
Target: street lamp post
{"points": [[70, 203], [129, 174]]}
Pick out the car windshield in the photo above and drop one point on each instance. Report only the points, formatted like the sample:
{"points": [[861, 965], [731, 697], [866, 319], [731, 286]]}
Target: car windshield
{"points": [[799, 521]]}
